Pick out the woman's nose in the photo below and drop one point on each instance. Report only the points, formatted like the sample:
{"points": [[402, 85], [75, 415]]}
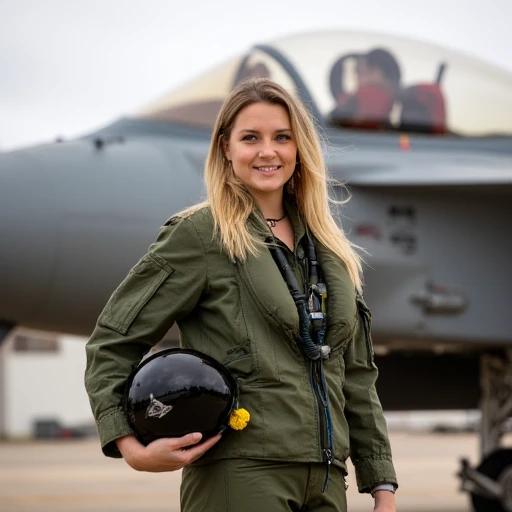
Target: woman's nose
{"points": [[267, 151]]}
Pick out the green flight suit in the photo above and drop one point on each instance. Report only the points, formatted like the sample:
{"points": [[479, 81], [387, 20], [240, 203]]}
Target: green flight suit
{"points": [[243, 315], [251, 485]]}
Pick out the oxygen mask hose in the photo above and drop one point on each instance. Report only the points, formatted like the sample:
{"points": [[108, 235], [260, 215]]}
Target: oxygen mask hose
{"points": [[305, 342], [314, 352]]}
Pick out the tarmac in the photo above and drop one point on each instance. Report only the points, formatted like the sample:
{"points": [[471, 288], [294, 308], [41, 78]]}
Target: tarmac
{"points": [[73, 475]]}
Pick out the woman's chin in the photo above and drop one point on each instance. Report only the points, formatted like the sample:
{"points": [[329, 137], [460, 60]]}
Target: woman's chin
{"points": [[267, 189]]}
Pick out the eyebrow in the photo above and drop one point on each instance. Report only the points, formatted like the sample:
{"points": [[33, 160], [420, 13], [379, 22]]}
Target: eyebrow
{"points": [[280, 130]]}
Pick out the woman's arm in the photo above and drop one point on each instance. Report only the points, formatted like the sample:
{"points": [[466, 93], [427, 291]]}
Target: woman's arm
{"points": [[164, 286], [384, 501], [164, 454]]}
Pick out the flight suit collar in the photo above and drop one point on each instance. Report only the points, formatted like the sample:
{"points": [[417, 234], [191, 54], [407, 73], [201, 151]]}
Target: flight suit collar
{"points": [[271, 293], [259, 227], [298, 226]]}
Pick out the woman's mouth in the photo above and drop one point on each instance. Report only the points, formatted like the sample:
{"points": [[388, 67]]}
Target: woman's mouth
{"points": [[267, 168]]}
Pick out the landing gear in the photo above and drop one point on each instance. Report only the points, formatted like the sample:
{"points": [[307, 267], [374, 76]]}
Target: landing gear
{"points": [[490, 484]]}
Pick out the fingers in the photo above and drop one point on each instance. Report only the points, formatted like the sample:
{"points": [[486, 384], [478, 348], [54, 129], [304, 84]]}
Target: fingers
{"points": [[170, 454], [188, 440], [196, 452]]}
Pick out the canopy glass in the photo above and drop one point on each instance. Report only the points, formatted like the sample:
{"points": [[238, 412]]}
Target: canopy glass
{"points": [[360, 81]]}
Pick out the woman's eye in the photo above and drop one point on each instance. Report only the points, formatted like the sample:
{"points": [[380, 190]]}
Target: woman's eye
{"points": [[249, 137], [283, 136]]}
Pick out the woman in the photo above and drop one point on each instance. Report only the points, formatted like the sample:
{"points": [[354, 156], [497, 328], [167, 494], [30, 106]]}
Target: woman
{"points": [[212, 270]]}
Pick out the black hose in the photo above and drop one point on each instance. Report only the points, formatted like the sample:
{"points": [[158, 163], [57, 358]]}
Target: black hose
{"points": [[305, 342]]}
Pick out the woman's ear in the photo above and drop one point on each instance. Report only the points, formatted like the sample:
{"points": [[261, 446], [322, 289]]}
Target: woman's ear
{"points": [[225, 148]]}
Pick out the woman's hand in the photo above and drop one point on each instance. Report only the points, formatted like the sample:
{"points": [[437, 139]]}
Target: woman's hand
{"points": [[168, 454], [384, 501]]}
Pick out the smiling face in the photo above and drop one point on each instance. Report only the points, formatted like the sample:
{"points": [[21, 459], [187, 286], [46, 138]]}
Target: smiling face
{"points": [[262, 150]]}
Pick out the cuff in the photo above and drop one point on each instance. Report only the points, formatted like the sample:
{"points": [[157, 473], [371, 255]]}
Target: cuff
{"points": [[383, 487], [371, 472], [112, 424]]}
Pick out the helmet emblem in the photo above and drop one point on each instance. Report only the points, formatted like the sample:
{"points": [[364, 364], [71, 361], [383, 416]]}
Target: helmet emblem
{"points": [[157, 409]]}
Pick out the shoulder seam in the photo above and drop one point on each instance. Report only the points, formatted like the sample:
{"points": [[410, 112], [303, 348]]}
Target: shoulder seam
{"points": [[185, 214]]}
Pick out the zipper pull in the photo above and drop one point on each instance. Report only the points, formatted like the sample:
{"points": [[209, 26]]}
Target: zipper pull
{"points": [[328, 460]]}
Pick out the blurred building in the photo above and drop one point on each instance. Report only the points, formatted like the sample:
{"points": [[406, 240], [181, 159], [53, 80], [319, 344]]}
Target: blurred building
{"points": [[41, 385]]}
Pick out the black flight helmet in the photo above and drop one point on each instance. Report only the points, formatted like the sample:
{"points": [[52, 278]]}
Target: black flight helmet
{"points": [[178, 391]]}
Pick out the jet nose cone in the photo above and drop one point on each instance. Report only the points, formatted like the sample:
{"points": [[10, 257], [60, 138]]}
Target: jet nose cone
{"points": [[26, 234]]}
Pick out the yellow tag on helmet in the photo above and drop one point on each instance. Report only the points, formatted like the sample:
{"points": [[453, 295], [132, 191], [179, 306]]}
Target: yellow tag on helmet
{"points": [[239, 418]]}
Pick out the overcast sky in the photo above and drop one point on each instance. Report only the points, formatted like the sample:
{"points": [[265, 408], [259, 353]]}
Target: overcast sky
{"points": [[71, 66]]}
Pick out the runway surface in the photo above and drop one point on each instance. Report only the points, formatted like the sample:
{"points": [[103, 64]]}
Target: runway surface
{"points": [[75, 476]]}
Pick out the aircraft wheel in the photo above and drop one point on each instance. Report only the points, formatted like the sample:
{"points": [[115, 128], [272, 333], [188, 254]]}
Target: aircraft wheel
{"points": [[497, 466]]}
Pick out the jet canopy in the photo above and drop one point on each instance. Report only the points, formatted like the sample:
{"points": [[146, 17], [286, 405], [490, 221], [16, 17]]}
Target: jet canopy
{"points": [[360, 81]]}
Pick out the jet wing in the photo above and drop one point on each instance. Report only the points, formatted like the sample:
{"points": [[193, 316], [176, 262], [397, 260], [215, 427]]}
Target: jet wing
{"points": [[414, 169]]}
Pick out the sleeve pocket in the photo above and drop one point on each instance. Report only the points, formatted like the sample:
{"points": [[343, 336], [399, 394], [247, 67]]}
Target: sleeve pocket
{"points": [[134, 292], [366, 318]]}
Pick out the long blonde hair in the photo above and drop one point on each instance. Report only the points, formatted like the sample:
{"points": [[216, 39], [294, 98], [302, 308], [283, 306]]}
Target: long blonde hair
{"points": [[230, 201]]}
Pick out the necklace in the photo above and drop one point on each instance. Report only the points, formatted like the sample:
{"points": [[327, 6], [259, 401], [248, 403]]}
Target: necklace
{"points": [[272, 222]]}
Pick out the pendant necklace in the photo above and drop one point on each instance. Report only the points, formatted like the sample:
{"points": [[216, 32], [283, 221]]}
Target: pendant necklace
{"points": [[272, 222]]}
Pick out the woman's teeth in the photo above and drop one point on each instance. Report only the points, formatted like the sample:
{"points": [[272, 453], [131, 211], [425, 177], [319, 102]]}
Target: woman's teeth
{"points": [[274, 168]]}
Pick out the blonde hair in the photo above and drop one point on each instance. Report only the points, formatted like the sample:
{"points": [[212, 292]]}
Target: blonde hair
{"points": [[230, 201]]}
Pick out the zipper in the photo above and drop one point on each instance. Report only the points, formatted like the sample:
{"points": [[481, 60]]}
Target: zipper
{"points": [[318, 384], [326, 447], [316, 374], [319, 387]]}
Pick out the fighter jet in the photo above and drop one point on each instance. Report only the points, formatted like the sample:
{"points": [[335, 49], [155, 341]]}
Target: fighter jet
{"points": [[422, 138]]}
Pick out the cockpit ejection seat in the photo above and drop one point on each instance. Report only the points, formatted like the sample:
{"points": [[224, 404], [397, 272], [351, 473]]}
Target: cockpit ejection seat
{"points": [[423, 107]]}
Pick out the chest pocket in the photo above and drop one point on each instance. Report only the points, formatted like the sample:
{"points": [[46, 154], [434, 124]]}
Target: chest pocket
{"points": [[134, 292], [268, 290]]}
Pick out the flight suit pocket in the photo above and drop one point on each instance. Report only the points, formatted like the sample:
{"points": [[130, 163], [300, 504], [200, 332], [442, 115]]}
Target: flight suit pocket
{"points": [[366, 319], [134, 292], [239, 362]]}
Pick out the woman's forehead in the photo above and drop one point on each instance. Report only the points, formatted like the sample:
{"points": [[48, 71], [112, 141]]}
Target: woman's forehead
{"points": [[262, 116]]}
